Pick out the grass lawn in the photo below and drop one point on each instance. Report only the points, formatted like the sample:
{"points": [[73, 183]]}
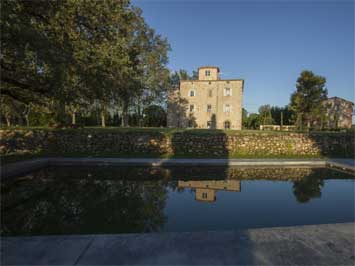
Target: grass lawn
{"points": [[171, 131]]}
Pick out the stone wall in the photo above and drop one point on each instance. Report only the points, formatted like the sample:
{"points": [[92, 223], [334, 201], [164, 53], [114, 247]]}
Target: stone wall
{"points": [[104, 142], [266, 144]]}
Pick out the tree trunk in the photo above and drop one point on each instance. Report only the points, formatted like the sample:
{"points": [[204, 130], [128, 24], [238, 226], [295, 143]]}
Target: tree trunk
{"points": [[299, 122], [125, 115], [60, 113], [308, 124], [103, 121], [8, 121], [281, 120], [27, 120], [73, 118], [139, 115]]}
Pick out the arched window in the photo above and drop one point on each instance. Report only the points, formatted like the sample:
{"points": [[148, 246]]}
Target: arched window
{"points": [[227, 124], [192, 93]]}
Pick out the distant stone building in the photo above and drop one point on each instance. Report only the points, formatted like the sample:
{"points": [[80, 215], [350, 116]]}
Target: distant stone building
{"points": [[208, 102], [339, 113]]}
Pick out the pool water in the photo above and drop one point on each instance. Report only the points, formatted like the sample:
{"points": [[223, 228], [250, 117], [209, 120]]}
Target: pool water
{"points": [[108, 200]]}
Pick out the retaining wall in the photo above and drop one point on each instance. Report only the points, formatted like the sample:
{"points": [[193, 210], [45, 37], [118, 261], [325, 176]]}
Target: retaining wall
{"points": [[186, 143]]}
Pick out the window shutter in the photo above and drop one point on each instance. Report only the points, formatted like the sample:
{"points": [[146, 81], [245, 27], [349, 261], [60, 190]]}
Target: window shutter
{"points": [[231, 91]]}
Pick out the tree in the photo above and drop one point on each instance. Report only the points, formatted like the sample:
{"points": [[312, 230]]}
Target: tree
{"points": [[176, 103], [244, 118], [194, 75], [285, 112], [253, 121], [307, 100], [182, 74], [154, 116], [265, 114], [62, 55]]}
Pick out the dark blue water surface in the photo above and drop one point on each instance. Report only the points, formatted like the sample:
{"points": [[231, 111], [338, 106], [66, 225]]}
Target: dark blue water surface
{"points": [[107, 200]]}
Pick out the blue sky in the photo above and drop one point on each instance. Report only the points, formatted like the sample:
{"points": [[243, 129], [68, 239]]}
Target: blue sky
{"points": [[266, 43]]}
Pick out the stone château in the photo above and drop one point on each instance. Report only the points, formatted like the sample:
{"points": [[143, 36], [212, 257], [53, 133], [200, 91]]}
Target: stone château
{"points": [[208, 102], [339, 113]]}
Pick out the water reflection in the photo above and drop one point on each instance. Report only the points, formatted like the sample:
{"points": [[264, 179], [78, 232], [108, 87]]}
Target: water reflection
{"points": [[308, 188], [206, 190], [110, 200]]}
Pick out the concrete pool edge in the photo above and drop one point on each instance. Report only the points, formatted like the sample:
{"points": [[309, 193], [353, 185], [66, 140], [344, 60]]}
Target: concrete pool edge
{"points": [[325, 244], [23, 167]]}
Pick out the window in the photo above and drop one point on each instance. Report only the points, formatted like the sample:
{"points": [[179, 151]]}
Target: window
{"points": [[227, 108], [209, 108], [192, 107], [207, 73], [192, 93], [210, 93], [227, 92], [204, 195], [227, 125]]}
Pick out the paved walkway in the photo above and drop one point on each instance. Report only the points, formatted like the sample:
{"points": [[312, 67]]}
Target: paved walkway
{"points": [[299, 245]]}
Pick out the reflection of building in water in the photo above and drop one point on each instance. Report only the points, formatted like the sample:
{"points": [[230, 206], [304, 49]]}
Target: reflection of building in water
{"points": [[206, 190]]}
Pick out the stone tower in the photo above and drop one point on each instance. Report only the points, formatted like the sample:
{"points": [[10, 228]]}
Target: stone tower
{"points": [[208, 102]]}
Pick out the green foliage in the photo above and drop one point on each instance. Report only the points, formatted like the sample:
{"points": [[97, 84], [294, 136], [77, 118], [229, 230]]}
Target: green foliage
{"points": [[307, 100], [265, 115], [282, 112], [252, 121], [69, 55], [182, 74], [244, 117], [154, 116]]}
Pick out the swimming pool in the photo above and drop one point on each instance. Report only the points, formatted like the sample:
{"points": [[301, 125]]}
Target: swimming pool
{"points": [[108, 199]]}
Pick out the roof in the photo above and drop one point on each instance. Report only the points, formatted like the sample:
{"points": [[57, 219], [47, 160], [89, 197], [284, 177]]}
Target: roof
{"points": [[207, 80], [209, 67], [341, 99]]}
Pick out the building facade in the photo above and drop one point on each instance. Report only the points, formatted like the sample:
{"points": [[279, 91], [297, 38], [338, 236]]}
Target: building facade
{"points": [[208, 102], [339, 113]]}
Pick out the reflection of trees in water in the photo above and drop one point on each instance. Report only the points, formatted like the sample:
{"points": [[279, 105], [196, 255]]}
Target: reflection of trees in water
{"points": [[308, 188], [85, 206], [124, 199]]}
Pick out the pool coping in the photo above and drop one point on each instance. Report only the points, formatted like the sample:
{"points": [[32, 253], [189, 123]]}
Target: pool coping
{"points": [[23, 167], [321, 244]]}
